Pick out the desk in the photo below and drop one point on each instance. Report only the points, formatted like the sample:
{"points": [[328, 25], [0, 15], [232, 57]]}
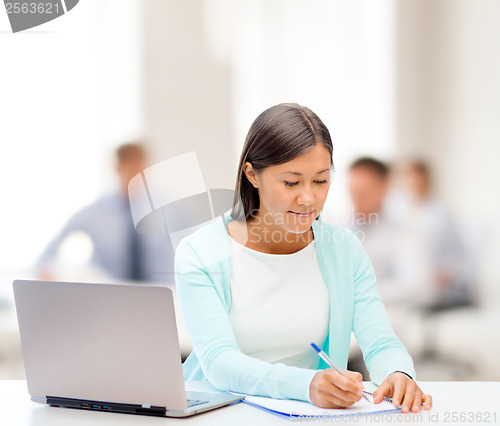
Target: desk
{"points": [[478, 398]]}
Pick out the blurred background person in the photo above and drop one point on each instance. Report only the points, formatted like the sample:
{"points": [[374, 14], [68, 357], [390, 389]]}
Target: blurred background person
{"points": [[412, 202], [397, 252], [118, 251]]}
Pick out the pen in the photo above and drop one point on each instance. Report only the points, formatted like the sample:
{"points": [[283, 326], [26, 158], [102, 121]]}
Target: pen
{"points": [[327, 359]]}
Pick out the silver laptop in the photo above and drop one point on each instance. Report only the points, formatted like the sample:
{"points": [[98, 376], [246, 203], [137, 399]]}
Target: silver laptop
{"points": [[106, 347]]}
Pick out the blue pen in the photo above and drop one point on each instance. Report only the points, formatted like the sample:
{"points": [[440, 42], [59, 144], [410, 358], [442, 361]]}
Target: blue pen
{"points": [[327, 359]]}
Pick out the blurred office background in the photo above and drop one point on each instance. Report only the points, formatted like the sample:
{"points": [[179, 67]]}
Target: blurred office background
{"points": [[394, 80]]}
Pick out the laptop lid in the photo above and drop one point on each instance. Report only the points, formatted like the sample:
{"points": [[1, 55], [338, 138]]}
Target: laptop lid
{"points": [[104, 342]]}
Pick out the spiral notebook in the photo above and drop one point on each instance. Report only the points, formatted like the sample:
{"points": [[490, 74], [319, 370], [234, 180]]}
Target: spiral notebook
{"points": [[298, 409]]}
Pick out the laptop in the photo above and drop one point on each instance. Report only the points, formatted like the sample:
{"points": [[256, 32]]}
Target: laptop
{"points": [[106, 347]]}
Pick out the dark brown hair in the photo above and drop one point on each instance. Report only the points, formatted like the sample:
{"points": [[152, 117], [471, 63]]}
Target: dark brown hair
{"points": [[278, 135], [377, 167], [421, 167], [129, 152]]}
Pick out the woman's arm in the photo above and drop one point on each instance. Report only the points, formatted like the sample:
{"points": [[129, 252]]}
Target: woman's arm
{"points": [[382, 351], [214, 343], [386, 358]]}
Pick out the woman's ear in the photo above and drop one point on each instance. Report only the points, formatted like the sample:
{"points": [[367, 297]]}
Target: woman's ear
{"points": [[250, 174]]}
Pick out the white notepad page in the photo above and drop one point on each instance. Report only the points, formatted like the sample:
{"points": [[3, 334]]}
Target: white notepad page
{"points": [[295, 408]]}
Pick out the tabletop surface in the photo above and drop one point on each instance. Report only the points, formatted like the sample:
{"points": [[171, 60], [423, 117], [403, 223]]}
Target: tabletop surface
{"points": [[455, 403]]}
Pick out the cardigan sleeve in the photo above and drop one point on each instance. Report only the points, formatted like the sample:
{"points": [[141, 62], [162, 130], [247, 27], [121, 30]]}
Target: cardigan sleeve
{"points": [[222, 362], [382, 351]]}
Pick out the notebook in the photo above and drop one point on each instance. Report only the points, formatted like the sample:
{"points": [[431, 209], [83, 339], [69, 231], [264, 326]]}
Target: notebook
{"points": [[300, 409]]}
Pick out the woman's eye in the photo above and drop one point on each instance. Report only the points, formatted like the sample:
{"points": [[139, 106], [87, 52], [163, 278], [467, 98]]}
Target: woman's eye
{"points": [[290, 183], [321, 181]]}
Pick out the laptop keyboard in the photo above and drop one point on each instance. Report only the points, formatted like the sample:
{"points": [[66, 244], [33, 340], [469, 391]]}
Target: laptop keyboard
{"points": [[193, 402]]}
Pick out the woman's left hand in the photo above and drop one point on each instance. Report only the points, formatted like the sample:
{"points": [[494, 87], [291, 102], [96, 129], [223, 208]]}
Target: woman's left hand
{"points": [[403, 391]]}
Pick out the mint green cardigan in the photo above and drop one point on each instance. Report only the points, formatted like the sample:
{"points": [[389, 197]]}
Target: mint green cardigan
{"points": [[203, 269]]}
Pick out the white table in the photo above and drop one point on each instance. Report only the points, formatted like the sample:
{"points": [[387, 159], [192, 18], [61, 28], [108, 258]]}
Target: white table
{"points": [[451, 400]]}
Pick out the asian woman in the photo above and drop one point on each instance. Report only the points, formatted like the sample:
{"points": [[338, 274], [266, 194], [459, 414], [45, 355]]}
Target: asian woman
{"points": [[256, 288]]}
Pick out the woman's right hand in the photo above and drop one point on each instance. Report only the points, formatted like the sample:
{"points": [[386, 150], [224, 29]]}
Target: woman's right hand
{"points": [[329, 389]]}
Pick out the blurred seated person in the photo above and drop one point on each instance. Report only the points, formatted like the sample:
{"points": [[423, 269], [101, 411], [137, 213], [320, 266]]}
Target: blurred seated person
{"points": [[119, 252], [412, 202], [397, 253]]}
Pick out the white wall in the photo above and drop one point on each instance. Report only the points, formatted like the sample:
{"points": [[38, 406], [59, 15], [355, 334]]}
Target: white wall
{"points": [[70, 92], [187, 90], [448, 104], [335, 57]]}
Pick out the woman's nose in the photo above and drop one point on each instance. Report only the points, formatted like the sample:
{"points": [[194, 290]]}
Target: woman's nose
{"points": [[306, 197]]}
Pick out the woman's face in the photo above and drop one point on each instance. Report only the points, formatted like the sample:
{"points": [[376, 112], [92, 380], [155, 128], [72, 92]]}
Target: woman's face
{"points": [[292, 194]]}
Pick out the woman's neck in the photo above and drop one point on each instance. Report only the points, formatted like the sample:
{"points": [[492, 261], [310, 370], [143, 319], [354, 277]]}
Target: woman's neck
{"points": [[268, 238]]}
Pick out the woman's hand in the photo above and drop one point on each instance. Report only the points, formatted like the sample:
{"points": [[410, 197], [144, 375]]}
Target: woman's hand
{"points": [[329, 389], [403, 391]]}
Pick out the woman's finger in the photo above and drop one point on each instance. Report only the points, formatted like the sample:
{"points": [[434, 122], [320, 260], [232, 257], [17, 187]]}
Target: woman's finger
{"points": [[382, 390], [417, 402], [346, 383], [427, 401], [409, 397], [330, 400], [347, 398], [399, 391], [355, 376]]}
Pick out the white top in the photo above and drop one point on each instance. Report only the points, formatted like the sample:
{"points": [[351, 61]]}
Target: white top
{"points": [[280, 304]]}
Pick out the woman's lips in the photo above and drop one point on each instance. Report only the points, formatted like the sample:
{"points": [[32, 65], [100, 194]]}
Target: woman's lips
{"points": [[307, 214]]}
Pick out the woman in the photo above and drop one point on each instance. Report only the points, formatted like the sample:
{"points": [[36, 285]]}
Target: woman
{"points": [[256, 288]]}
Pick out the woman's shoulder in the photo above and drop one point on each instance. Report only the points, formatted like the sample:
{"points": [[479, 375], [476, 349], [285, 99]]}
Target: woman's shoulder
{"points": [[326, 232], [208, 243], [339, 246], [209, 234]]}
